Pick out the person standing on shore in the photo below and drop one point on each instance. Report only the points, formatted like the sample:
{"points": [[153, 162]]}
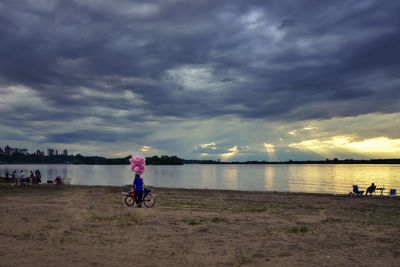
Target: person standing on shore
{"points": [[31, 178], [14, 177], [138, 189], [38, 177], [22, 177]]}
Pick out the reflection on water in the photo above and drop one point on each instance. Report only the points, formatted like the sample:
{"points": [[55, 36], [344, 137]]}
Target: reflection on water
{"points": [[208, 176], [230, 177], [336, 179], [269, 175]]}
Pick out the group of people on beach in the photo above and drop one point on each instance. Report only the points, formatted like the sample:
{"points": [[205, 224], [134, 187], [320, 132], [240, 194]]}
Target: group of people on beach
{"points": [[371, 189], [22, 179]]}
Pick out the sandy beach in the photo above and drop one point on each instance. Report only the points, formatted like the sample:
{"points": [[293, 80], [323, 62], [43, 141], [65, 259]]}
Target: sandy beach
{"points": [[51, 225]]}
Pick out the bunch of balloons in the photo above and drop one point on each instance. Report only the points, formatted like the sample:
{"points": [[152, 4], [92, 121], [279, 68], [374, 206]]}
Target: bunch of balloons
{"points": [[137, 164]]}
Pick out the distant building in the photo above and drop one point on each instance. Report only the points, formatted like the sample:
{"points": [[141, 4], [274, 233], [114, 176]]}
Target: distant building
{"points": [[56, 152], [11, 151], [1, 151], [50, 152], [65, 152], [39, 153]]}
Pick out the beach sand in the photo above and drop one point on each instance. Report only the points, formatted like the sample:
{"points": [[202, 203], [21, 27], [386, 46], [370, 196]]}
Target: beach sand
{"points": [[51, 225]]}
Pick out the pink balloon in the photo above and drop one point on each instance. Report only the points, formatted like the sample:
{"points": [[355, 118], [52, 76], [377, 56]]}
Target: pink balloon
{"points": [[137, 164]]}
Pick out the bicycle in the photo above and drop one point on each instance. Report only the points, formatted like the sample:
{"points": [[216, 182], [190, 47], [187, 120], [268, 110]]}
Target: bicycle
{"points": [[148, 199]]}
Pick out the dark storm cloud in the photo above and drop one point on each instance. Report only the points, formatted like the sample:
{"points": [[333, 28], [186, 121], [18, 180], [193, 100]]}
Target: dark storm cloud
{"points": [[91, 135], [283, 60]]}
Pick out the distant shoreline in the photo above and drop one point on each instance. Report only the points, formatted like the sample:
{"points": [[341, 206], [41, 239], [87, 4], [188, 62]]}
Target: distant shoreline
{"points": [[79, 159]]}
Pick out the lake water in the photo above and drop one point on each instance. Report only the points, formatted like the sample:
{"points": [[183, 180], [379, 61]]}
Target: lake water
{"points": [[335, 179]]}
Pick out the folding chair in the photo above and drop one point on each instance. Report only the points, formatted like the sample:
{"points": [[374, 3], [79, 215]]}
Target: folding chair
{"points": [[392, 192], [356, 191]]}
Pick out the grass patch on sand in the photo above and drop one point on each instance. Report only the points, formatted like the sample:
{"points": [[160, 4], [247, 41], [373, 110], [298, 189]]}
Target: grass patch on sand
{"points": [[256, 207], [66, 240], [25, 236], [80, 229], [191, 204], [218, 220], [267, 231], [242, 259], [369, 215], [181, 250], [307, 210], [43, 236], [236, 206], [123, 220], [194, 222], [33, 189], [332, 220], [250, 208], [299, 230], [205, 220]]}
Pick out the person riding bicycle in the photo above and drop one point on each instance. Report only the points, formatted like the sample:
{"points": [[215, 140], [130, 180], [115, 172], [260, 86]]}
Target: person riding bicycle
{"points": [[138, 189]]}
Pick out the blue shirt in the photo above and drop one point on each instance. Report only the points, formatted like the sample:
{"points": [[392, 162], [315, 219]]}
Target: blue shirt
{"points": [[139, 184]]}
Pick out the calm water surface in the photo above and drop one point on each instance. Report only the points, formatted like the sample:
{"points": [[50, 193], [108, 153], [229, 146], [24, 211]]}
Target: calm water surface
{"points": [[336, 179]]}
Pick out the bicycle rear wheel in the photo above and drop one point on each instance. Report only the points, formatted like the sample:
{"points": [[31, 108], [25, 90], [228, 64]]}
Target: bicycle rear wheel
{"points": [[129, 200], [149, 200]]}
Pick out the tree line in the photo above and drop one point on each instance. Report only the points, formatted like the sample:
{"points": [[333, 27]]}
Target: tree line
{"points": [[18, 158]]}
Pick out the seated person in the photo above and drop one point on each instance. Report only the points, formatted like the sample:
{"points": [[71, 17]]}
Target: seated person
{"points": [[371, 189]]}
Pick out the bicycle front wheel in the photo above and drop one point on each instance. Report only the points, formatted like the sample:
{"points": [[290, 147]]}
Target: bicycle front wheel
{"points": [[129, 200], [149, 200]]}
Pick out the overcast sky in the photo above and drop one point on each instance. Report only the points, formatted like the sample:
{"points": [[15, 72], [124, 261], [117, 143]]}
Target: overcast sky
{"points": [[229, 80]]}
